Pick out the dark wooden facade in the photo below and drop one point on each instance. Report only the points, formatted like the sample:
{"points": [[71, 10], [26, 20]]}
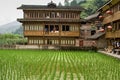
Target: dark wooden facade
{"points": [[51, 24], [112, 19]]}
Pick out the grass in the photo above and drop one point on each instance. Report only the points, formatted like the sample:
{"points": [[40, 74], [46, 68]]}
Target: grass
{"points": [[57, 65]]}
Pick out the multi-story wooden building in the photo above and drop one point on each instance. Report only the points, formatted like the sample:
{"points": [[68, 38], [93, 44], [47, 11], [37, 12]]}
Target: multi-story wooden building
{"points": [[110, 12], [91, 32], [51, 24]]}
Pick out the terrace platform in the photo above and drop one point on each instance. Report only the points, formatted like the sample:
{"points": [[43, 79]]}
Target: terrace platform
{"points": [[110, 54]]}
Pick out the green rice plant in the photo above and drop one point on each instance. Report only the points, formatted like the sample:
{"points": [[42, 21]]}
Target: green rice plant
{"points": [[54, 68], [57, 65], [69, 66]]}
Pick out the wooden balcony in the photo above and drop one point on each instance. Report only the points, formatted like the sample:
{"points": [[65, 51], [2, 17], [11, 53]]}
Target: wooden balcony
{"points": [[41, 33], [111, 18], [33, 33], [68, 33], [65, 33], [115, 34], [51, 34]]}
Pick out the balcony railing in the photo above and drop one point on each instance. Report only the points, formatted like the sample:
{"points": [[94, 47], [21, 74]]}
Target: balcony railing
{"points": [[41, 33], [115, 34], [111, 18]]}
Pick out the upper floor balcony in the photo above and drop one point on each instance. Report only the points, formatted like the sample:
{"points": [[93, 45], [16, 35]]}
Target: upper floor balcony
{"points": [[112, 18], [51, 15], [115, 34], [111, 12]]}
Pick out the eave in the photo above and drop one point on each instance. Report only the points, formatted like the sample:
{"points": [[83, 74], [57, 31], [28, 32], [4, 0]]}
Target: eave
{"points": [[44, 7], [49, 20], [107, 5]]}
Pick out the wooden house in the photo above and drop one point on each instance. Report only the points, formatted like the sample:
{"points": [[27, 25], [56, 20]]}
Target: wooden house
{"points": [[110, 12], [51, 24], [91, 31]]}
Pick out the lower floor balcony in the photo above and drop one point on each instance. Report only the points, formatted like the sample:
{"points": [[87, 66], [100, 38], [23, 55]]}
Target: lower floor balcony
{"points": [[51, 41]]}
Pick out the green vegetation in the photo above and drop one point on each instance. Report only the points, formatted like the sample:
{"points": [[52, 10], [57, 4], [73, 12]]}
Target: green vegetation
{"points": [[11, 39], [90, 6], [57, 65]]}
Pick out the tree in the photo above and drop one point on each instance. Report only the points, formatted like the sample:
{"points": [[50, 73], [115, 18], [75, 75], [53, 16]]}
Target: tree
{"points": [[101, 2], [91, 6], [73, 3], [66, 3]]}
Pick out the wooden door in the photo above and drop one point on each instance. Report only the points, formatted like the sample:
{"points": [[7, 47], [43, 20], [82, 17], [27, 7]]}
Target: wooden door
{"points": [[81, 43]]}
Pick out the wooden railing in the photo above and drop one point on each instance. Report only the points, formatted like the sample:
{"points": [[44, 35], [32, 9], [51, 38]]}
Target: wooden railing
{"points": [[68, 33], [33, 33], [115, 34], [51, 34], [111, 18], [41, 33]]}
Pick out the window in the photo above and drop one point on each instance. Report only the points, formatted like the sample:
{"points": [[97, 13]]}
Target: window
{"points": [[52, 14], [82, 32], [40, 27], [57, 14], [76, 28], [67, 42], [93, 32], [50, 42], [115, 25], [51, 27], [119, 26], [30, 27], [62, 15], [115, 8], [57, 27], [71, 28], [63, 41], [35, 41], [65, 28], [30, 41], [40, 42], [46, 28], [45, 41], [47, 15], [119, 6]]}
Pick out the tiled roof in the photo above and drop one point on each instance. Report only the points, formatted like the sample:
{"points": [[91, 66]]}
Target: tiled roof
{"points": [[44, 7], [108, 2], [92, 16], [97, 35]]}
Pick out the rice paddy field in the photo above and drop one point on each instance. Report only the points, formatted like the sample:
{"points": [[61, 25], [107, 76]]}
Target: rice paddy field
{"points": [[57, 65]]}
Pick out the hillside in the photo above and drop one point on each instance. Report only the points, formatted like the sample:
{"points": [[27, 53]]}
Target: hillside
{"points": [[10, 27]]}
